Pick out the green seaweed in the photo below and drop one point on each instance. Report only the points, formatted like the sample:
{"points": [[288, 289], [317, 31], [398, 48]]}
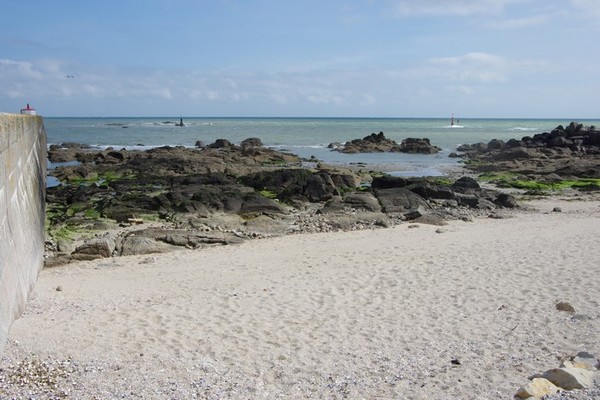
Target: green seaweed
{"points": [[508, 179]]}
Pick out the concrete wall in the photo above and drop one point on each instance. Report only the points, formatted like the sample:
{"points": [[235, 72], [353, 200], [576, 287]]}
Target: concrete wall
{"points": [[22, 212]]}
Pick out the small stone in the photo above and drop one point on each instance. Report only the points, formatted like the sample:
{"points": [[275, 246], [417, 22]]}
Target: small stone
{"points": [[412, 226], [583, 357], [564, 306], [441, 230], [59, 288], [570, 378], [557, 209], [537, 388]]}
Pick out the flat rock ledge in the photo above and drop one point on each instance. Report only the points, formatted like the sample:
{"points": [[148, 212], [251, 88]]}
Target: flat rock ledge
{"points": [[576, 374]]}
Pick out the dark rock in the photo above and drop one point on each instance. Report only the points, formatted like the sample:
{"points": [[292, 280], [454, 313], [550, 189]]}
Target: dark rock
{"points": [[374, 143], [495, 144], [221, 144], [418, 146], [251, 142], [506, 200], [388, 181], [465, 182], [362, 201], [399, 200]]}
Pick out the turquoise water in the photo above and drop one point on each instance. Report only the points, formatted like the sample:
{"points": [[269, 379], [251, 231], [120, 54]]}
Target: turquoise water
{"points": [[305, 137]]}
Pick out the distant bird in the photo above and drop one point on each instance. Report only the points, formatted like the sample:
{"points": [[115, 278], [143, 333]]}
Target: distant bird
{"points": [[70, 76]]}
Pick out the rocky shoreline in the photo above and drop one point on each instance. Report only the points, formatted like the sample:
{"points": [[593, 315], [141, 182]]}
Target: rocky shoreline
{"points": [[121, 202]]}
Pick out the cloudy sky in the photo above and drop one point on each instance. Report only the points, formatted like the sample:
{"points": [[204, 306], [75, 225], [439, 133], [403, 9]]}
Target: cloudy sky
{"points": [[348, 58]]}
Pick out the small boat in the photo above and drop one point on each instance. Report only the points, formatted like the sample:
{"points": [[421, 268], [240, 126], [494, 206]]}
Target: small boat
{"points": [[28, 110]]}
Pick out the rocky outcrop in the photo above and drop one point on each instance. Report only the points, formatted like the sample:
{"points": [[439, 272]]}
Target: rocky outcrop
{"points": [[377, 143], [246, 191], [418, 146], [576, 373], [572, 151]]}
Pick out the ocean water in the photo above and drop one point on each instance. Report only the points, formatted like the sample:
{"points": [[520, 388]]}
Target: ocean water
{"points": [[305, 137]]}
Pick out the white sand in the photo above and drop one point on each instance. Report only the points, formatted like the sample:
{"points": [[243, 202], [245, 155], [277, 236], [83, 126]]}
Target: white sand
{"points": [[368, 314]]}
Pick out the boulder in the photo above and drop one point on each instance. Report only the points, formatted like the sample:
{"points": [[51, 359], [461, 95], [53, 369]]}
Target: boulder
{"points": [[221, 144], [134, 245], [570, 378], [418, 146], [319, 187], [465, 182], [400, 200], [102, 247], [251, 142], [362, 201], [374, 143], [254, 203], [537, 388]]}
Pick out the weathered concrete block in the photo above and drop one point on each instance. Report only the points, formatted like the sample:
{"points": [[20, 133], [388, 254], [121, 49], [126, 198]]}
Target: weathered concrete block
{"points": [[22, 212]]}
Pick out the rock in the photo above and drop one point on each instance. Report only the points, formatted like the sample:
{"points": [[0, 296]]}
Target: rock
{"points": [[319, 187], [537, 388], [133, 245], [495, 144], [415, 213], [102, 247], [64, 247], [199, 144], [466, 182], [399, 200], [506, 200], [253, 203], [251, 142], [570, 378], [374, 143], [362, 201], [564, 306], [583, 357], [431, 219], [557, 209], [221, 144], [418, 146]]}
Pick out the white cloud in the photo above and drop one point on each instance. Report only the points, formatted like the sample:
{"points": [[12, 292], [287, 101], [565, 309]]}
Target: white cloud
{"points": [[408, 8], [519, 23], [475, 68], [590, 7]]}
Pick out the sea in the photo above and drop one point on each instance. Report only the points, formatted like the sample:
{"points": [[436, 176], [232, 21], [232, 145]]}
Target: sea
{"points": [[305, 137]]}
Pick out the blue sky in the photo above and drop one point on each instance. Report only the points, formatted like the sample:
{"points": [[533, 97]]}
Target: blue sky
{"points": [[348, 58]]}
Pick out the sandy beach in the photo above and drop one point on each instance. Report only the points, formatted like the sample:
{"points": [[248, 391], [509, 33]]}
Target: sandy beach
{"points": [[416, 311]]}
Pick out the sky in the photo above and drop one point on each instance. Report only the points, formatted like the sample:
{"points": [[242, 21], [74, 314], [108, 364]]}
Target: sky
{"points": [[309, 58]]}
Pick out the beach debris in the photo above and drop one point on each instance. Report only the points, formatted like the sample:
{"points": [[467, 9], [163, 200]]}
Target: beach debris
{"points": [[576, 373], [564, 306]]}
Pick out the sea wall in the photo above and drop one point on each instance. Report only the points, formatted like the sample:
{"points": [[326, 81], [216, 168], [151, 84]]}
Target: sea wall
{"points": [[22, 212]]}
